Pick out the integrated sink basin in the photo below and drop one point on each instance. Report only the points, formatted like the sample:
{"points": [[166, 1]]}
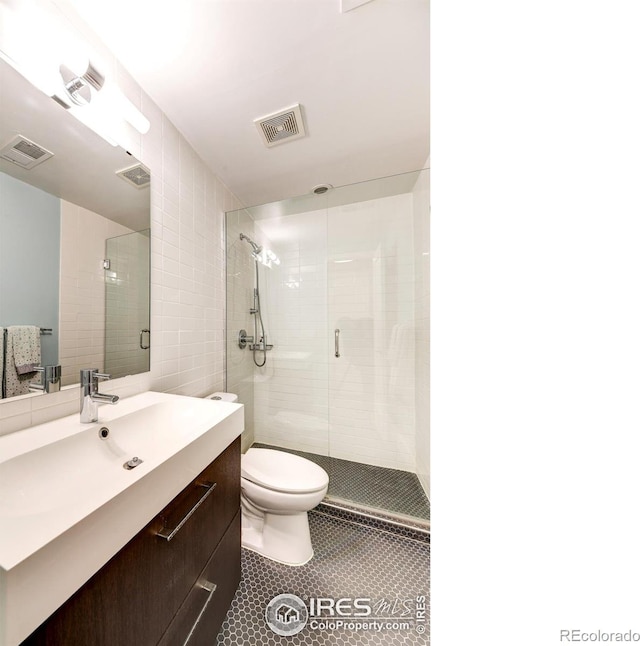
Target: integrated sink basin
{"points": [[46, 480], [68, 504]]}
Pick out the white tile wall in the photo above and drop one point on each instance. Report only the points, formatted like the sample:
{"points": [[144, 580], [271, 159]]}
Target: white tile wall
{"points": [[187, 263], [291, 396], [423, 393], [240, 282], [187, 269], [19, 413]]}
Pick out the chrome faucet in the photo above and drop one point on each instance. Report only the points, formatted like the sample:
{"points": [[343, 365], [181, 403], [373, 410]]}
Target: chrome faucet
{"points": [[51, 377], [90, 397]]}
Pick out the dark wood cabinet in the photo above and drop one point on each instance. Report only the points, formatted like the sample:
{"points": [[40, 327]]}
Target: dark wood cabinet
{"points": [[206, 605], [172, 583]]}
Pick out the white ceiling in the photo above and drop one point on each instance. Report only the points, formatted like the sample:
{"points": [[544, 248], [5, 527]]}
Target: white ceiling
{"points": [[362, 78]]}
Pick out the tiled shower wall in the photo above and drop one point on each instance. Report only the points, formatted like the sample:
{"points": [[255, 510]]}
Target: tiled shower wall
{"points": [[422, 339], [187, 265], [359, 260], [240, 281], [291, 397]]}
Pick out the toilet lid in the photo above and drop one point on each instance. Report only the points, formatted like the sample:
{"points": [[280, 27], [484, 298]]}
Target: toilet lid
{"points": [[282, 471]]}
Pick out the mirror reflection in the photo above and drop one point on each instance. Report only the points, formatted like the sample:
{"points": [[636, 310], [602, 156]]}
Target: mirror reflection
{"points": [[74, 245]]}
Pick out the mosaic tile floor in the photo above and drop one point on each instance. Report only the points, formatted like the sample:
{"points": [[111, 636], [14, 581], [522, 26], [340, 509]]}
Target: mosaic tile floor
{"points": [[391, 490], [350, 561]]}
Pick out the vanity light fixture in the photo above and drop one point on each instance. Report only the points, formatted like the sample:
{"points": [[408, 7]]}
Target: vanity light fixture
{"points": [[78, 88], [38, 42], [98, 103]]}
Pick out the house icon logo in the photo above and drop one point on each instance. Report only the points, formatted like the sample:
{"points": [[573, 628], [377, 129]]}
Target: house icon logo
{"points": [[286, 614]]}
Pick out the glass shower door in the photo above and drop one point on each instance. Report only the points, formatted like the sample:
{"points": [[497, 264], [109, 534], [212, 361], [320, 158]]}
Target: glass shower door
{"points": [[288, 394], [370, 305], [127, 334]]}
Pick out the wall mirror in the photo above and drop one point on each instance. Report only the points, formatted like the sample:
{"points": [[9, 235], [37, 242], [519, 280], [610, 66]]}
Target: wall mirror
{"points": [[74, 237]]}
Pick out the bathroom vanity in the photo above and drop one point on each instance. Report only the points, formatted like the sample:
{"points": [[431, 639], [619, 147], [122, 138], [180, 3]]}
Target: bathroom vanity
{"points": [[130, 556], [173, 582]]}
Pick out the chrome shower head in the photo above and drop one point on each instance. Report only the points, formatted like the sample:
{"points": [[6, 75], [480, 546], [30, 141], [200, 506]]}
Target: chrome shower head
{"points": [[256, 247]]}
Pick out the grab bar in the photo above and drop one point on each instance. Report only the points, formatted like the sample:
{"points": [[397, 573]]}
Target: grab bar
{"points": [[337, 342]]}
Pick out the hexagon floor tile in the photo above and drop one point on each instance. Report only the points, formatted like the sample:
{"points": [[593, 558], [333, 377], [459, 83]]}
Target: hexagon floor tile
{"points": [[364, 484], [350, 560]]}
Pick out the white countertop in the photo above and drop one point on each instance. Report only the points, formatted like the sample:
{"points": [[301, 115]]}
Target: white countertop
{"points": [[64, 493]]}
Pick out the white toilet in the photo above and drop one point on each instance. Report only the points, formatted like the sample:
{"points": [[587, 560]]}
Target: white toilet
{"points": [[278, 489]]}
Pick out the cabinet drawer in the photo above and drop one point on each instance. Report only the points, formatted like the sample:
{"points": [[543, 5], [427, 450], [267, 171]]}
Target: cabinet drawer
{"points": [[199, 619], [133, 598], [185, 542]]}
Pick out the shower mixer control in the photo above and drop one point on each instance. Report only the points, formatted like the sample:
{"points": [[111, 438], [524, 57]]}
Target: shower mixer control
{"points": [[243, 339]]}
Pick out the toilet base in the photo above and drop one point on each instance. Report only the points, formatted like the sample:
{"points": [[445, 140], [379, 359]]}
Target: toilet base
{"points": [[282, 538]]}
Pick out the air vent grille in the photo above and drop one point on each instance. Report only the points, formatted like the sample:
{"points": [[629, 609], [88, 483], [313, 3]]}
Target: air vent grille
{"points": [[29, 149], [282, 126], [24, 152], [138, 175]]}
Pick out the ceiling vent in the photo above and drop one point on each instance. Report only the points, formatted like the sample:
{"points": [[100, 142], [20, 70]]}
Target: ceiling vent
{"points": [[24, 153], [281, 127], [138, 175]]}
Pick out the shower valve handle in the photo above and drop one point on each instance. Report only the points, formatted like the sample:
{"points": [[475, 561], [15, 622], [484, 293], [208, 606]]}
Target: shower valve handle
{"points": [[243, 339]]}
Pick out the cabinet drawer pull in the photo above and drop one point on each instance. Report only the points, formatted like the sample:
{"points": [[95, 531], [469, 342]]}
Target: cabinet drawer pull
{"points": [[169, 534], [209, 587]]}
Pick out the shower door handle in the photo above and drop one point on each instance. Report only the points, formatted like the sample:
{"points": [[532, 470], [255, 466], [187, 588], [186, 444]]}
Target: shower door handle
{"points": [[142, 345], [337, 342]]}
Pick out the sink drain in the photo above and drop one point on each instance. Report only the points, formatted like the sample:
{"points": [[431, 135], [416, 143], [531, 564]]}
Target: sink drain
{"points": [[133, 463]]}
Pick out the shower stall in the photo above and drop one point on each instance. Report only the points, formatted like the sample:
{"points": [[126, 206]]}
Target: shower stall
{"points": [[328, 336]]}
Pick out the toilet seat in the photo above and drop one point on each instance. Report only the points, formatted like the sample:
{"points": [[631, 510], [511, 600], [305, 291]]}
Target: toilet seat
{"points": [[283, 472]]}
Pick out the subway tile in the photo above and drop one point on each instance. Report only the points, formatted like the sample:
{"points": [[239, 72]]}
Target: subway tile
{"points": [[42, 415], [15, 423], [16, 406]]}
